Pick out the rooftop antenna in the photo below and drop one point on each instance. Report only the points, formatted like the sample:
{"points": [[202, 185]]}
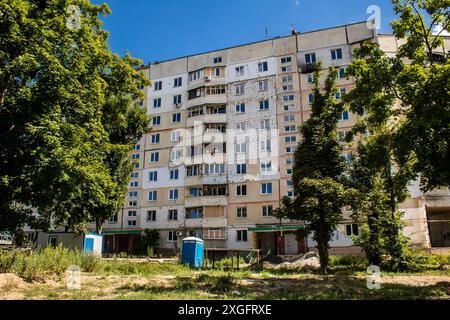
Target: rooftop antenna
{"points": [[293, 30], [267, 31]]}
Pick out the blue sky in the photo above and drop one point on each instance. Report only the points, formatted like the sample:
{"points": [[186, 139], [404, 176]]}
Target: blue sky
{"points": [[164, 29]]}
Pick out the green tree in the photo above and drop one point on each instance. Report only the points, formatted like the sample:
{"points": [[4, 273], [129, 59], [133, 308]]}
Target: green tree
{"points": [[67, 124], [318, 175], [381, 235], [423, 88], [404, 105], [147, 243], [377, 172]]}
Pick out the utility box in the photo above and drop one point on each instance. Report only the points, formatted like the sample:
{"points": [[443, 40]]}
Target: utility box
{"points": [[192, 252]]}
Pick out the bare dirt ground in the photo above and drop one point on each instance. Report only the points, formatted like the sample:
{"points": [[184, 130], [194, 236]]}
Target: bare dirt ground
{"points": [[308, 286]]}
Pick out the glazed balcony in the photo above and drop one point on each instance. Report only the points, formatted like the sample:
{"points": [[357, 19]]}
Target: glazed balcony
{"points": [[206, 201], [214, 222], [208, 95], [207, 119]]}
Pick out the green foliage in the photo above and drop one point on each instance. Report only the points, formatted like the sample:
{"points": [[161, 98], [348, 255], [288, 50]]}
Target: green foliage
{"points": [[410, 89], [147, 243], [47, 262], [406, 109], [415, 260], [348, 262], [225, 263], [89, 262], [217, 284], [423, 89], [67, 124], [318, 174]]}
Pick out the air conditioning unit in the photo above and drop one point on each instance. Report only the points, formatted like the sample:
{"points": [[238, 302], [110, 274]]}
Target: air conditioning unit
{"points": [[179, 233], [177, 105], [207, 78]]}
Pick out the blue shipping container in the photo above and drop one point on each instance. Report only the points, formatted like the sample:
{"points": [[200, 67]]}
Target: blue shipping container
{"points": [[192, 252]]}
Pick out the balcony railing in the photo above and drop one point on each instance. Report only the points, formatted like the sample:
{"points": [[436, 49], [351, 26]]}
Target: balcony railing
{"points": [[209, 234], [216, 118], [308, 67], [206, 201]]}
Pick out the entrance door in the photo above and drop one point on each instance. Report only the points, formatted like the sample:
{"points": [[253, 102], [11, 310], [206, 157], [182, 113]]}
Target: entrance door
{"points": [[291, 245], [268, 243], [123, 244]]}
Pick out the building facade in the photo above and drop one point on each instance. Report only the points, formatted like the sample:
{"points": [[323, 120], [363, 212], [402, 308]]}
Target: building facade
{"points": [[220, 154]]}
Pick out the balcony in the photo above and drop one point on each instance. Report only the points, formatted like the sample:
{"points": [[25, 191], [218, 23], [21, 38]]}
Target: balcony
{"points": [[308, 67], [215, 99], [206, 158], [214, 222], [194, 223], [214, 179], [206, 81], [207, 76], [193, 181], [209, 95], [207, 119], [214, 234], [205, 201]]}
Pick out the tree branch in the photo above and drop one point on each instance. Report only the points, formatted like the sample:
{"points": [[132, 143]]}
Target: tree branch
{"points": [[426, 31], [444, 28]]}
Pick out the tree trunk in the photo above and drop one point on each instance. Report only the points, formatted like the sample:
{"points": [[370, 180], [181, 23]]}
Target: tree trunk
{"points": [[322, 246], [374, 255], [98, 226]]}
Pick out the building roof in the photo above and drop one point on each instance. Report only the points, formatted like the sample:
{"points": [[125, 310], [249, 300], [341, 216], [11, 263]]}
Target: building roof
{"points": [[256, 42]]}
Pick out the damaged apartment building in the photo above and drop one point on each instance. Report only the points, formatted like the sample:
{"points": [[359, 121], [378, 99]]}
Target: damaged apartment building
{"points": [[219, 157]]}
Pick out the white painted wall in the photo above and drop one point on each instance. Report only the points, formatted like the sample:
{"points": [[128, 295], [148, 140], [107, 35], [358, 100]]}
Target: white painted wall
{"points": [[416, 227], [162, 218], [250, 70], [163, 178], [166, 94], [252, 133], [339, 239], [324, 55], [232, 242]]}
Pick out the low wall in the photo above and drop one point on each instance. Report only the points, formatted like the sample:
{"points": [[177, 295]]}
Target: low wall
{"points": [[343, 251]]}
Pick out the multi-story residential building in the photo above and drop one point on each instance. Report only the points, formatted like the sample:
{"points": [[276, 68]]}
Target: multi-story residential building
{"points": [[219, 157]]}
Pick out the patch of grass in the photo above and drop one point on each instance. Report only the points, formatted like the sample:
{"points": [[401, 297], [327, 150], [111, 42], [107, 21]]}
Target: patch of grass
{"points": [[146, 269], [175, 281]]}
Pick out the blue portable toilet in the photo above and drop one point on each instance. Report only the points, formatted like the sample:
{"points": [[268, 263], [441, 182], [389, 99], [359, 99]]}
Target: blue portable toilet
{"points": [[192, 252]]}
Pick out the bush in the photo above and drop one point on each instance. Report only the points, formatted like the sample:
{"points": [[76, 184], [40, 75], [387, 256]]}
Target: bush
{"points": [[416, 260], [6, 261], [89, 262], [347, 261], [226, 262], [50, 262], [149, 239], [220, 284]]}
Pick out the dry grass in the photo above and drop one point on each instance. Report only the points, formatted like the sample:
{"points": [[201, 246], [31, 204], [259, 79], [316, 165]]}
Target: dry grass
{"points": [[204, 286]]}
